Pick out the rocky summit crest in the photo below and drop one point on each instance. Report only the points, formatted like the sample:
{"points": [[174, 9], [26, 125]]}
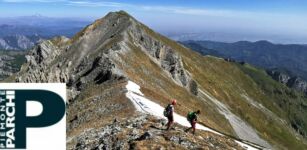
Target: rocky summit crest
{"points": [[92, 54]]}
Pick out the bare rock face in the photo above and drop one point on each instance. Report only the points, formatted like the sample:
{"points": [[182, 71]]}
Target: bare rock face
{"points": [[163, 55], [172, 63], [43, 54], [40, 60], [296, 83], [280, 77]]}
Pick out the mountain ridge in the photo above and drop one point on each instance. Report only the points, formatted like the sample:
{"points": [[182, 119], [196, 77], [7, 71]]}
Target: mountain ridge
{"points": [[97, 62]]}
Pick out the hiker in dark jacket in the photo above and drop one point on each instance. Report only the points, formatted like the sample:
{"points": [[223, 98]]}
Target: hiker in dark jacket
{"points": [[192, 118], [169, 113]]}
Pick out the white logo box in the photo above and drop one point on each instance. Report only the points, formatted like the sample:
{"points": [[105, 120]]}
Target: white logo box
{"points": [[45, 138]]}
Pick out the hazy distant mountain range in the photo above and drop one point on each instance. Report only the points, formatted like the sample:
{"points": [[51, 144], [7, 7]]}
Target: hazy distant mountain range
{"points": [[41, 25], [46, 31], [286, 63], [20, 33], [233, 36], [19, 42]]}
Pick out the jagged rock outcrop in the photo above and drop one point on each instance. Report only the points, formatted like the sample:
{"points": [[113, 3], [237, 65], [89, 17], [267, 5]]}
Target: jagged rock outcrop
{"points": [[162, 54], [278, 76], [43, 54], [296, 83], [39, 60]]}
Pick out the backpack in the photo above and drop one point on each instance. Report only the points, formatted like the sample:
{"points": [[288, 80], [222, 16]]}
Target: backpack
{"points": [[190, 116], [167, 110]]}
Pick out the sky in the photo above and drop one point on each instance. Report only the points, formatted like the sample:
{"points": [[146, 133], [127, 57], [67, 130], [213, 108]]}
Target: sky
{"points": [[262, 18]]}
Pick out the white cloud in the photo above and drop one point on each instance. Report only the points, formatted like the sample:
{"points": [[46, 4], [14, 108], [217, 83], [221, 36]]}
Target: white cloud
{"points": [[203, 12], [96, 4], [186, 10]]}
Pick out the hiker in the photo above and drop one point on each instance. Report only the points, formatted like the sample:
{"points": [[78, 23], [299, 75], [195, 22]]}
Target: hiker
{"points": [[169, 113], [192, 118]]}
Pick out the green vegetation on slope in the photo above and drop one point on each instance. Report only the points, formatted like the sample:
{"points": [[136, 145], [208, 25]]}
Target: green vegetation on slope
{"points": [[293, 105]]}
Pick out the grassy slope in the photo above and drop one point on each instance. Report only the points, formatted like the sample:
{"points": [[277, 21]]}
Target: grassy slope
{"points": [[227, 82], [292, 103]]}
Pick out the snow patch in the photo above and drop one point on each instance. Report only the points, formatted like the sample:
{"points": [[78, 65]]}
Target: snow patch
{"points": [[145, 105], [133, 87]]}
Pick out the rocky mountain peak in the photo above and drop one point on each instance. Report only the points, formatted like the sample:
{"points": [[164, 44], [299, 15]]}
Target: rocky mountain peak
{"points": [[113, 22], [94, 54]]}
